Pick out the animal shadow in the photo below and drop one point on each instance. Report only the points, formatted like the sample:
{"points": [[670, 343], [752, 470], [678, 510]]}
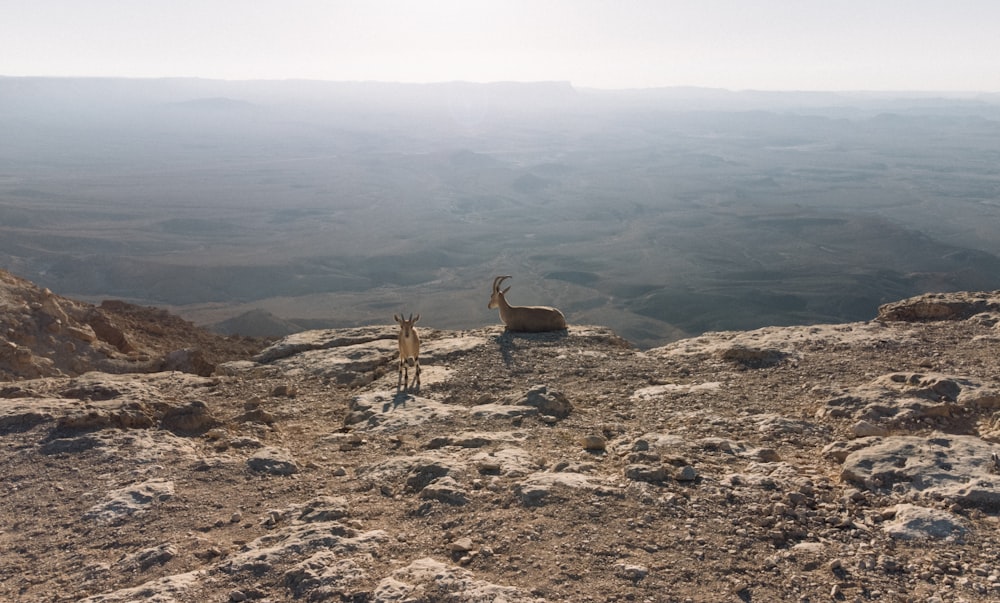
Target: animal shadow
{"points": [[399, 399], [509, 341]]}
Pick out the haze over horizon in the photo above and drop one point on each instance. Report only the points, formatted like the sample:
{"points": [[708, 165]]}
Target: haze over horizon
{"points": [[768, 45]]}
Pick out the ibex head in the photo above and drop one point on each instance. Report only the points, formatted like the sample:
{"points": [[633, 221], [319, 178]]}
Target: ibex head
{"points": [[406, 325], [497, 293]]}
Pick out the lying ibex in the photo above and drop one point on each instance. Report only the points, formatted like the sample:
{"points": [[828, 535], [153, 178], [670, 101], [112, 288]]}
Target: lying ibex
{"points": [[409, 352], [531, 319]]}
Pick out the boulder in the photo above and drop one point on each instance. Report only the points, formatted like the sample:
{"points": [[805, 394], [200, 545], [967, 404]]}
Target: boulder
{"points": [[274, 461], [939, 306], [912, 522], [548, 402], [955, 468]]}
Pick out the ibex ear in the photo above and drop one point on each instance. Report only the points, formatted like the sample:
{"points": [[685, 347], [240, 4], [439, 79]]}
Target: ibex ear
{"points": [[506, 290], [395, 317], [417, 318]]}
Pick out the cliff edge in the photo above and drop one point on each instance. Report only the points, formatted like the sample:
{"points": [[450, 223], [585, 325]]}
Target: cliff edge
{"points": [[853, 462]]}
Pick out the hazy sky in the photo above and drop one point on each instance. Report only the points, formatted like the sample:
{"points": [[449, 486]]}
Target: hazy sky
{"points": [[735, 44]]}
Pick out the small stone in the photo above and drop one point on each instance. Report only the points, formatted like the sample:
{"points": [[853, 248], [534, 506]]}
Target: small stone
{"points": [[237, 595], [633, 572], [796, 499], [645, 473], [686, 473], [593, 443], [766, 455], [462, 545], [488, 466], [853, 495], [864, 429], [888, 563], [272, 461], [284, 391], [469, 558]]}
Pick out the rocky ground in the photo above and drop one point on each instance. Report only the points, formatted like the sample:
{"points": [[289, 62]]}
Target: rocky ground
{"points": [[851, 462]]}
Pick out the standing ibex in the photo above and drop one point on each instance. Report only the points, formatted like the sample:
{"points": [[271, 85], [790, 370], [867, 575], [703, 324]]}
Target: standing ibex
{"points": [[409, 352], [531, 319]]}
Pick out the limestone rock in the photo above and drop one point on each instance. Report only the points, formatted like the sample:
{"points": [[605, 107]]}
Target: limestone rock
{"points": [[187, 360], [548, 402], [131, 500], [323, 508], [306, 341], [753, 357], [152, 556], [909, 400], [541, 488], [472, 439], [445, 489], [593, 443], [167, 589], [107, 331], [387, 411], [274, 461], [343, 364], [429, 579], [294, 542], [191, 418], [954, 467], [864, 429], [323, 575], [510, 462], [939, 306], [646, 473], [21, 414], [686, 473], [912, 522]]}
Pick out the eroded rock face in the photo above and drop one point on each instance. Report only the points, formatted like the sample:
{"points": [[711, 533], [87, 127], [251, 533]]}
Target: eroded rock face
{"points": [[46, 335], [940, 306]]}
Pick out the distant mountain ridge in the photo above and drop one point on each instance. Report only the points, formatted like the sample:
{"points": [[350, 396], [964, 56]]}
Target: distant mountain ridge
{"points": [[32, 92]]}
